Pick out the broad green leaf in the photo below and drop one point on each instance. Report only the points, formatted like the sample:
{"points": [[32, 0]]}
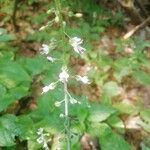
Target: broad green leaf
{"points": [[47, 109], [111, 89], [115, 122], [80, 111], [12, 74], [27, 127], [142, 77], [6, 37], [126, 108], [110, 140], [13, 95], [7, 55], [34, 65], [6, 138], [9, 129], [2, 91], [99, 113]]}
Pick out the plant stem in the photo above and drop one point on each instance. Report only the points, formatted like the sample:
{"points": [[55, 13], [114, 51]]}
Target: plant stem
{"points": [[67, 121], [62, 30]]}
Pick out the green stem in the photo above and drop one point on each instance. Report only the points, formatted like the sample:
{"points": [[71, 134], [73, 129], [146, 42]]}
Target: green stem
{"points": [[62, 29], [64, 46], [67, 120]]}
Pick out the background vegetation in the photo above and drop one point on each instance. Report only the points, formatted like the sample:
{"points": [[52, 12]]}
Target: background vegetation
{"points": [[114, 112]]}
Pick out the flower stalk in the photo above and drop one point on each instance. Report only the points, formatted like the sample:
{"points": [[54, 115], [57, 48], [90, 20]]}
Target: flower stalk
{"points": [[66, 100]]}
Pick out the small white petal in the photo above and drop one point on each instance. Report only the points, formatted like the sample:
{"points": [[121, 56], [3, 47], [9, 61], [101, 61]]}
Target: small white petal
{"points": [[76, 42], [50, 58], [83, 79], [44, 49], [51, 86], [45, 89], [63, 76], [40, 131], [39, 140], [73, 101]]}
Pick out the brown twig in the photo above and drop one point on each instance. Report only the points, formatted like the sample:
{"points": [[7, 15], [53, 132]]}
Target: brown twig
{"points": [[138, 27]]}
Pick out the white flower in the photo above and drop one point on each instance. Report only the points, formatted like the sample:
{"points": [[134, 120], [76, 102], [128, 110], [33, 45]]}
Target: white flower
{"points": [[42, 138], [63, 76], [45, 146], [76, 42], [39, 140], [83, 79], [48, 87], [44, 49], [73, 101], [40, 131], [50, 58]]}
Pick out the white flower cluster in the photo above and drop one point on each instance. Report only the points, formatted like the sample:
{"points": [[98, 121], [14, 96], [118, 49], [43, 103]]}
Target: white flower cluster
{"points": [[46, 49], [64, 77], [76, 42], [42, 138]]}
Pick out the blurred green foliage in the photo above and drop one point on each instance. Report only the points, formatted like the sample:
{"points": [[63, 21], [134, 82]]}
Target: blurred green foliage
{"points": [[101, 119]]}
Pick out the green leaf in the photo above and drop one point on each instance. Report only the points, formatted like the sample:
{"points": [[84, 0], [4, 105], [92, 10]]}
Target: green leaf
{"points": [[126, 108], [13, 95], [9, 129], [99, 113], [34, 65], [115, 122], [142, 77], [7, 55], [2, 90], [110, 140], [12, 74], [6, 138], [6, 37], [111, 89], [145, 115]]}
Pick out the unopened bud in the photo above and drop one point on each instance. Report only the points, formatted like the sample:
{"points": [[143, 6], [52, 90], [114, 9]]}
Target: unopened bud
{"points": [[42, 28], [56, 19], [78, 15], [61, 115], [57, 104]]}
